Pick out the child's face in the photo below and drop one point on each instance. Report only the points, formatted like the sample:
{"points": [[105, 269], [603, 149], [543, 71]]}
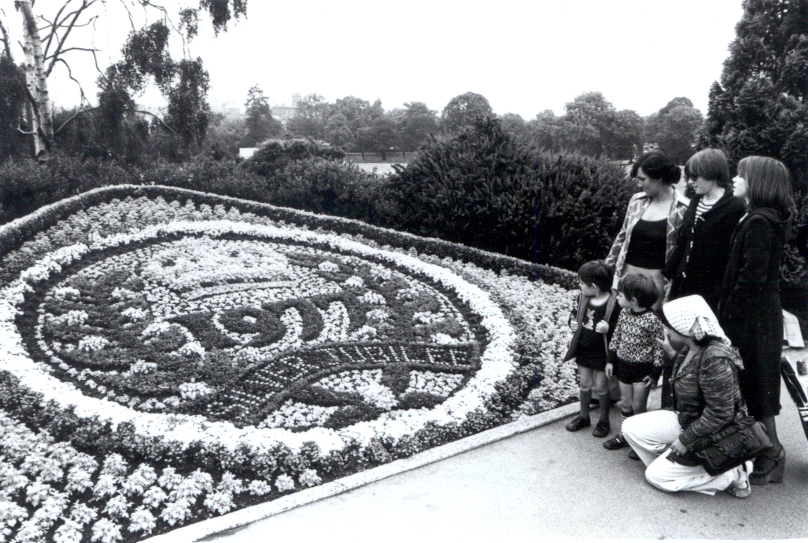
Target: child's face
{"points": [[627, 303], [588, 290]]}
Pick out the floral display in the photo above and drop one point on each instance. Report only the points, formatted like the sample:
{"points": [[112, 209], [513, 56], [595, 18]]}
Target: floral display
{"points": [[167, 356]]}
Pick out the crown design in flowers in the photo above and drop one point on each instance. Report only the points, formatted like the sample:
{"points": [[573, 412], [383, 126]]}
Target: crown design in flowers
{"points": [[239, 328]]}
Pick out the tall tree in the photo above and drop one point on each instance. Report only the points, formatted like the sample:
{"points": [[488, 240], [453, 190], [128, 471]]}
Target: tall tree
{"points": [[463, 110], [760, 105], [591, 125], [258, 118], [56, 39], [416, 123], [310, 118], [675, 129]]}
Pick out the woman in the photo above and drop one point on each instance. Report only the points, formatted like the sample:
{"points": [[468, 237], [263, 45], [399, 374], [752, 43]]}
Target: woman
{"points": [[647, 238], [702, 249], [706, 398], [749, 308]]}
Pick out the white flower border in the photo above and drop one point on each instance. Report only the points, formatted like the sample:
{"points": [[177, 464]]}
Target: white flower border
{"points": [[498, 359]]}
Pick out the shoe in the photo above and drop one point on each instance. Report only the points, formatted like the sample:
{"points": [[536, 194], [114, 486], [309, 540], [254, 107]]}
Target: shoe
{"points": [[633, 455], [617, 442], [741, 488], [769, 468], [577, 423], [601, 429]]}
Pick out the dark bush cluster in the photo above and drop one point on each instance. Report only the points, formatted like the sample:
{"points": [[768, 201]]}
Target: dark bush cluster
{"points": [[484, 190]]}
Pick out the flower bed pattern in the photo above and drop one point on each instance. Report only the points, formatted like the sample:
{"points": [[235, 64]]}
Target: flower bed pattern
{"points": [[167, 356]]}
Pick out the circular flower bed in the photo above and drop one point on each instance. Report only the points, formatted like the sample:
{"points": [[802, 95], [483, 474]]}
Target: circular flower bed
{"points": [[165, 358]]}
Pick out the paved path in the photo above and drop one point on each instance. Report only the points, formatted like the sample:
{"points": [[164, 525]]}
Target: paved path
{"points": [[545, 484]]}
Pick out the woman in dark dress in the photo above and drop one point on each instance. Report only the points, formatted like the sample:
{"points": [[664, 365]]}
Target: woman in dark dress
{"points": [[749, 309], [702, 248]]}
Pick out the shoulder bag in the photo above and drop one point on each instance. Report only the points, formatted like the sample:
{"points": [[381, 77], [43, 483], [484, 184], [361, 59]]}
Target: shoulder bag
{"points": [[740, 440]]}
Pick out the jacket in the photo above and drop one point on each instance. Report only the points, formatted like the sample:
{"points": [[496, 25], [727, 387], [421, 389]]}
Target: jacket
{"points": [[636, 207], [700, 256], [706, 391], [612, 311], [753, 268]]}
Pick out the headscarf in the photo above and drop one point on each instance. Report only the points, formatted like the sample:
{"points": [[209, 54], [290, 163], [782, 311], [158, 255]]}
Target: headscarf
{"points": [[692, 317]]}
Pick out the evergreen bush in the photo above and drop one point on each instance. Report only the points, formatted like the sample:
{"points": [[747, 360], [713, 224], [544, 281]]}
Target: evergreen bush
{"points": [[484, 190]]}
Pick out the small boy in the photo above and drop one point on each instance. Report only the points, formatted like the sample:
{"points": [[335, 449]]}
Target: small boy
{"points": [[635, 351], [591, 321]]}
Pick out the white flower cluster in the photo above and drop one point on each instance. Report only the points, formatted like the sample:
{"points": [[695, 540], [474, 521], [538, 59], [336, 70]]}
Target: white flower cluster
{"points": [[367, 383], [92, 343], [192, 391], [439, 384]]}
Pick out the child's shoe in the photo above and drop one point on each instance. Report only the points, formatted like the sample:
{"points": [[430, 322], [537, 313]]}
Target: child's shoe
{"points": [[601, 428], [578, 423], [617, 442]]}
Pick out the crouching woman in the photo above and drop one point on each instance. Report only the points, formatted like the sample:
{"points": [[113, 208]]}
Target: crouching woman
{"points": [[706, 397]]}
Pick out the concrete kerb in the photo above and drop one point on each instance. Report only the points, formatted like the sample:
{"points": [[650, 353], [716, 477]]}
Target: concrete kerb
{"points": [[212, 529]]}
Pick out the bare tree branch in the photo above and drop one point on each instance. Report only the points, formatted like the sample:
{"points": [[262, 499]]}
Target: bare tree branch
{"points": [[77, 114], [70, 75], [76, 14], [55, 26], [161, 121], [21, 131], [73, 49], [6, 42]]}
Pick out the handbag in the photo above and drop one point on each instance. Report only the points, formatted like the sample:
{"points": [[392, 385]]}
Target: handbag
{"points": [[741, 439]]}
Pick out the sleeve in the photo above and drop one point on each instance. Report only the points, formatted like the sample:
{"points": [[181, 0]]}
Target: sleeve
{"points": [[617, 245], [573, 316], [758, 240], [618, 331], [716, 380], [657, 333], [672, 265]]}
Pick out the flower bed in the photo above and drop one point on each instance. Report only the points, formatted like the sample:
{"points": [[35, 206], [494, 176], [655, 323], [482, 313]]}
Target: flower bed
{"points": [[167, 356]]}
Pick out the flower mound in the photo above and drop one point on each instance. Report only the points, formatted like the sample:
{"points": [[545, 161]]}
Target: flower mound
{"points": [[164, 359]]}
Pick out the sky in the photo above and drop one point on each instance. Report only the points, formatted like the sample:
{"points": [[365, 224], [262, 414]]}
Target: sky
{"points": [[524, 57]]}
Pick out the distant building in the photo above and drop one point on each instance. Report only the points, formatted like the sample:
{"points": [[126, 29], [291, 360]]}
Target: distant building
{"points": [[283, 112]]}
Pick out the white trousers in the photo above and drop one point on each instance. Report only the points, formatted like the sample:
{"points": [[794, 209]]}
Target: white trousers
{"points": [[650, 434]]}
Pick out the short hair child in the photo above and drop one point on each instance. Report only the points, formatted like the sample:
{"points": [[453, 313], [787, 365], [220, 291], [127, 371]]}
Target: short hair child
{"points": [[597, 273], [592, 321], [640, 287], [635, 351]]}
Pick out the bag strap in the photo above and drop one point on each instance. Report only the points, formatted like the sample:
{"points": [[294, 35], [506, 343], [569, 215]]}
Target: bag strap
{"points": [[740, 404], [608, 315]]}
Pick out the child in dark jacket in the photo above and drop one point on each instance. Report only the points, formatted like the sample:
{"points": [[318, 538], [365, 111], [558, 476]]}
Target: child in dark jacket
{"points": [[592, 321]]}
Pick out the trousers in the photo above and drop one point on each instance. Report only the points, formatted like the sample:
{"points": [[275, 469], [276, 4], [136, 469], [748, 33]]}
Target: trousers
{"points": [[650, 435]]}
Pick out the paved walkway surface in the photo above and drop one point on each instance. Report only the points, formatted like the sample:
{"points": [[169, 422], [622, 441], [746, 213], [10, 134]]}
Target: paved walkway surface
{"points": [[546, 483]]}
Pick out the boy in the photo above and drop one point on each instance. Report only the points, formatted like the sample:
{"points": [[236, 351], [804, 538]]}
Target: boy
{"points": [[594, 317], [635, 351]]}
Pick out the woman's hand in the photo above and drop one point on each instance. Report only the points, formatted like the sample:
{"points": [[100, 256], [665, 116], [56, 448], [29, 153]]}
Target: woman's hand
{"points": [[666, 345], [574, 325], [602, 327], [609, 369], [678, 448]]}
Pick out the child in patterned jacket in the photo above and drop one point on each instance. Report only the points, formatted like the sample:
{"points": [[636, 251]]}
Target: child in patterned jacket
{"points": [[635, 351]]}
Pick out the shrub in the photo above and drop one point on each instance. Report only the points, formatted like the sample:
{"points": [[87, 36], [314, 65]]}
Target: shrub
{"points": [[484, 190], [274, 155]]}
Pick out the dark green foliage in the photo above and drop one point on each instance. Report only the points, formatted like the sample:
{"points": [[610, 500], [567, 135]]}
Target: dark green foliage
{"points": [[761, 108], [12, 98], [761, 105], [482, 189]]}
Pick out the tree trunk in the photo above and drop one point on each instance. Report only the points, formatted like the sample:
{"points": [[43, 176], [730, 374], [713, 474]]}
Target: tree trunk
{"points": [[37, 84]]}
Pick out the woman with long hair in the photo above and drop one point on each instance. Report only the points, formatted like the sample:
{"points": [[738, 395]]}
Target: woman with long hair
{"points": [[749, 309]]}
